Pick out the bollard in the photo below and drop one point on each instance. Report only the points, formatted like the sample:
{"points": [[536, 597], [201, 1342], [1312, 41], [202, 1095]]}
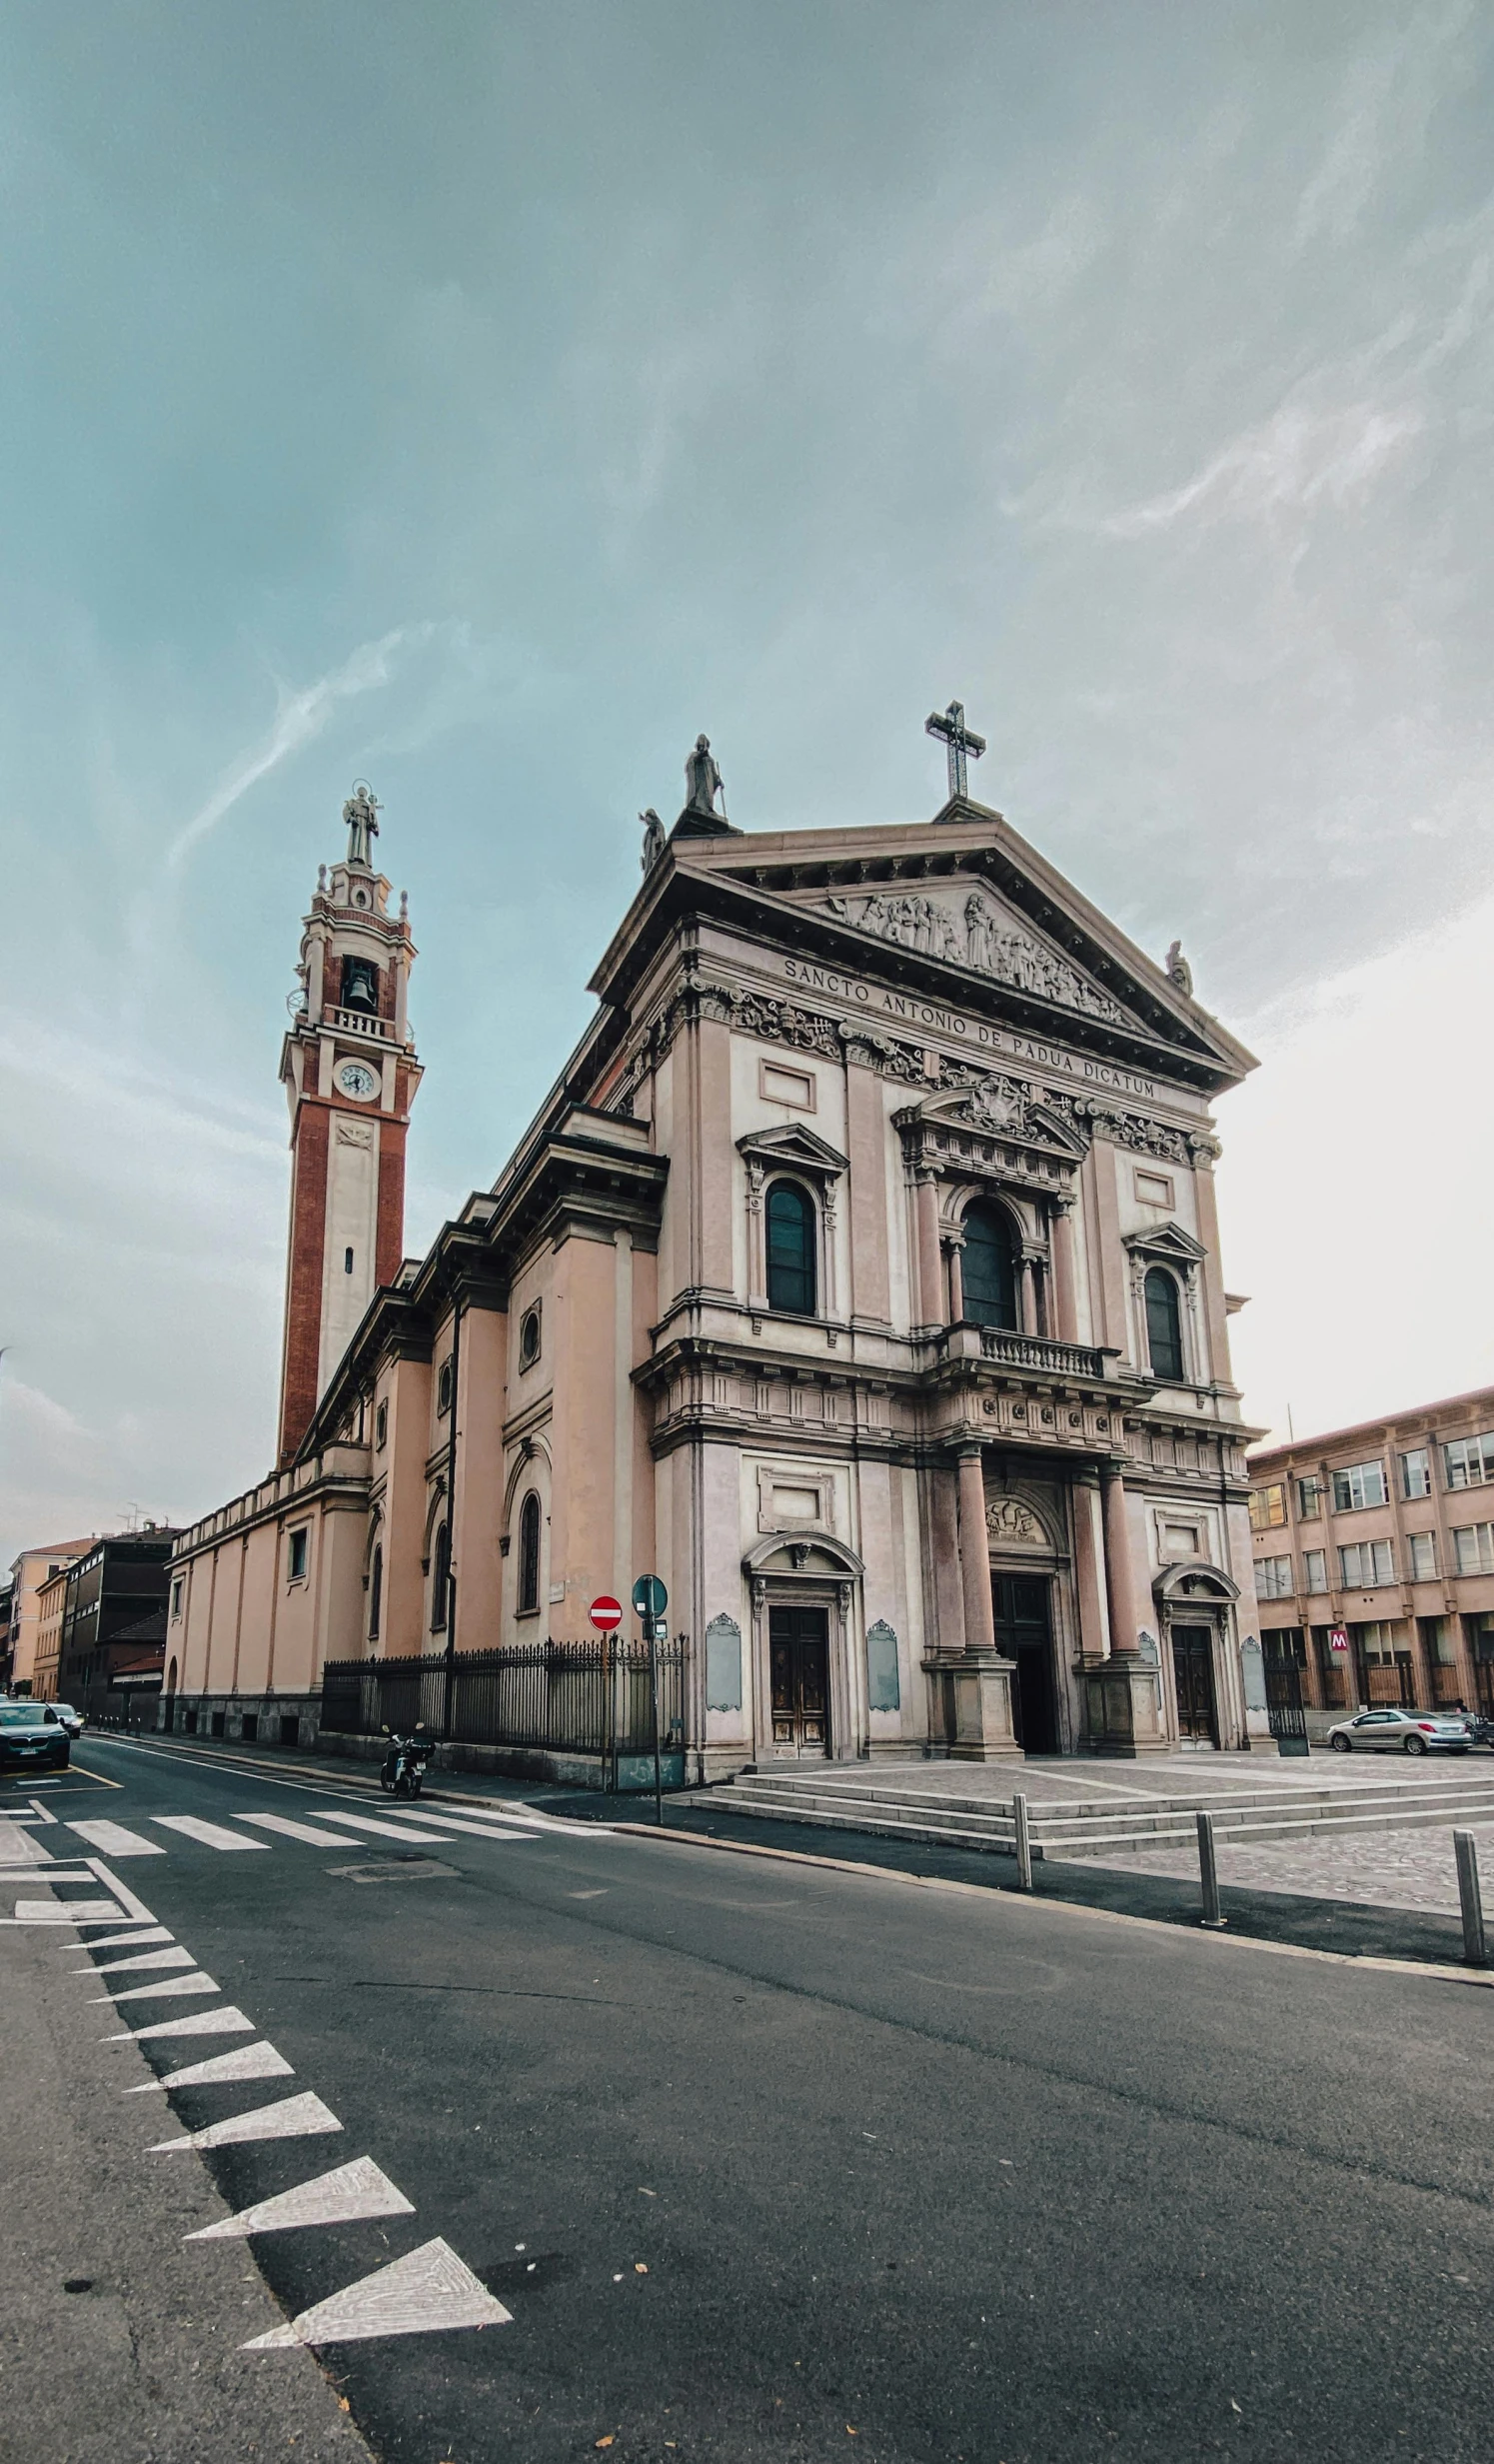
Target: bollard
{"points": [[1475, 1949], [1208, 1874], [1024, 1842]]}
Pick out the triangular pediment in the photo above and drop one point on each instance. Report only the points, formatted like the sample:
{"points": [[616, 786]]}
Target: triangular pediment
{"points": [[1169, 1240], [963, 924], [792, 1145], [1007, 1108]]}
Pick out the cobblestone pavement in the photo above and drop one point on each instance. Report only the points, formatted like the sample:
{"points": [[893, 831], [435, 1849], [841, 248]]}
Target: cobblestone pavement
{"points": [[1387, 1869], [1077, 1779]]}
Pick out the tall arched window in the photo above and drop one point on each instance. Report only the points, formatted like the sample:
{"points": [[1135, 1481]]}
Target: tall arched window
{"points": [[1164, 1331], [989, 1269], [528, 1556], [441, 1578], [376, 1589], [791, 1248]]}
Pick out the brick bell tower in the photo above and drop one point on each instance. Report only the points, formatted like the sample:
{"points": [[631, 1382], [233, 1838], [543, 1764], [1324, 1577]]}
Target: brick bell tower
{"points": [[350, 1076]]}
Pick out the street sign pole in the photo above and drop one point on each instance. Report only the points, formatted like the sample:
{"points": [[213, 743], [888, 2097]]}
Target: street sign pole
{"points": [[654, 1698]]}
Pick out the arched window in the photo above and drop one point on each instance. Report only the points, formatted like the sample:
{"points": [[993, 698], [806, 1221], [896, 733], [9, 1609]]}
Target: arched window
{"points": [[441, 1578], [989, 1269], [791, 1248], [171, 1676], [528, 1556], [1164, 1331], [376, 1589]]}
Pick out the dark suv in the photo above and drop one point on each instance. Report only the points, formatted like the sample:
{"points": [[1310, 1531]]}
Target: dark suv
{"points": [[32, 1737]]}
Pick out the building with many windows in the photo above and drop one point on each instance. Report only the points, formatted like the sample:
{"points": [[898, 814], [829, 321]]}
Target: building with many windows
{"points": [[859, 1278], [29, 1575], [1374, 1558]]}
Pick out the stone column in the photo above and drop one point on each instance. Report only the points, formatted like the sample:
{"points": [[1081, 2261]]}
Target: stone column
{"points": [[956, 1280], [1027, 1298], [930, 1297], [1061, 1247], [1092, 1627], [1118, 1563], [975, 1554]]}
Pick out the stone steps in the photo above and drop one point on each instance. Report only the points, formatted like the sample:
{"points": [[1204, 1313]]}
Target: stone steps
{"points": [[1105, 1829]]}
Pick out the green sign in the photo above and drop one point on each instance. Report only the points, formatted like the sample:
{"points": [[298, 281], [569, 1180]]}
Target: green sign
{"points": [[650, 1597]]}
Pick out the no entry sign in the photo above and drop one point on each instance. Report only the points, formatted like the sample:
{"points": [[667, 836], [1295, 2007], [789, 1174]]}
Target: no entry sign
{"points": [[605, 1613]]}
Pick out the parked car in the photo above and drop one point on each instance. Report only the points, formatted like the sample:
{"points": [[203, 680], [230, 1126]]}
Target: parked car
{"points": [[1406, 1732], [71, 1721], [32, 1737]]}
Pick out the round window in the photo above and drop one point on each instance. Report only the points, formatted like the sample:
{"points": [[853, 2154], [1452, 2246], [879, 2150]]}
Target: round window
{"points": [[529, 1338]]}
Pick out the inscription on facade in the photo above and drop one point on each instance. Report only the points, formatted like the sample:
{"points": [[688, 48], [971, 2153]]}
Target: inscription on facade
{"points": [[883, 1004]]}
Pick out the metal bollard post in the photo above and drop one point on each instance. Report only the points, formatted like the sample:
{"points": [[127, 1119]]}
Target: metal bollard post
{"points": [[1475, 1949], [1024, 1842], [1208, 1875]]}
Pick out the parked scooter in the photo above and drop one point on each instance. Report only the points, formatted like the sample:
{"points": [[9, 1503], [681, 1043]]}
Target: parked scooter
{"points": [[404, 1764], [1480, 1729]]}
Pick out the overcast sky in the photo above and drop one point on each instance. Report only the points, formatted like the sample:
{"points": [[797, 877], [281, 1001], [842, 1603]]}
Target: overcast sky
{"points": [[485, 398]]}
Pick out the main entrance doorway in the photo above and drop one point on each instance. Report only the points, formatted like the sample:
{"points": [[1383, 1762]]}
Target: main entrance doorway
{"points": [[1020, 1603], [798, 1653], [1193, 1668]]}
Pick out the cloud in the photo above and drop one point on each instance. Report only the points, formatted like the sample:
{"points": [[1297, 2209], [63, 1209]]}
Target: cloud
{"points": [[298, 722], [1294, 460]]}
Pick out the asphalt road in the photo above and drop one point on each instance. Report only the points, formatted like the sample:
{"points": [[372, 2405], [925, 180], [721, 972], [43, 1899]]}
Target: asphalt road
{"points": [[771, 2160]]}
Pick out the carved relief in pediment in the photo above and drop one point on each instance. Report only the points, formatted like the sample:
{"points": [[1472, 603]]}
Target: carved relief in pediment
{"points": [[980, 935]]}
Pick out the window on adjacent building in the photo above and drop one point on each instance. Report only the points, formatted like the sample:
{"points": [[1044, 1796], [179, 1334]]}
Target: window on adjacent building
{"points": [[441, 1578], [1309, 1498], [1469, 1461], [1473, 1548], [1315, 1568], [528, 1556], [376, 1591], [443, 1386], [1360, 1485], [1365, 1563], [1423, 1547], [1416, 1472], [988, 1268], [1273, 1579], [791, 1248], [296, 1543], [1165, 1326], [1268, 1506]]}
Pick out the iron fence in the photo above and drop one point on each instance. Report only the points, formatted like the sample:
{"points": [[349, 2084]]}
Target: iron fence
{"points": [[590, 1697]]}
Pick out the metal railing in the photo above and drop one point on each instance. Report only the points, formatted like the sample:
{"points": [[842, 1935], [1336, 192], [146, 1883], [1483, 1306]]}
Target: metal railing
{"points": [[589, 1697]]}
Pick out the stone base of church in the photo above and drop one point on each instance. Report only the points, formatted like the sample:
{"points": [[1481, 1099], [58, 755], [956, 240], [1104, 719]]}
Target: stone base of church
{"points": [[1123, 1709], [976, 1691]]}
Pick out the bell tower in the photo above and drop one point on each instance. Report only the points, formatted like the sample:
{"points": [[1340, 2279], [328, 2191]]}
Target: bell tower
{"points": [[350, 1074]]}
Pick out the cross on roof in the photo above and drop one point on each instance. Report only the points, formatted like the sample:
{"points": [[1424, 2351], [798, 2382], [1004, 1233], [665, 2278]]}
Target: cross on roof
{"points": [[959, 742]]}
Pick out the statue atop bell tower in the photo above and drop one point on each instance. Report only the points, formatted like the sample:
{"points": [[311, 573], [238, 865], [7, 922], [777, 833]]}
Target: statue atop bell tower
{"points": [[349, 1074]]}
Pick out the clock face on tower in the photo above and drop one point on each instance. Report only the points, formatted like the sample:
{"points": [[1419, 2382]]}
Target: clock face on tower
{"points": [[356, 1078]]}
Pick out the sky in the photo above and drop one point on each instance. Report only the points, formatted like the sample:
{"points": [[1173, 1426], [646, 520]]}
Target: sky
{"points": [[486, 400]]}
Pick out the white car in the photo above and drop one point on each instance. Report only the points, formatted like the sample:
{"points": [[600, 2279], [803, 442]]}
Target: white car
{"points": [[1406, 1732], [72, 1720]]}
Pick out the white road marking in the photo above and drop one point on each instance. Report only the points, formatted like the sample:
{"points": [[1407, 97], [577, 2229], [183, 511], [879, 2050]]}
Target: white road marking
{"points": [[60, 1912], [173, 1958], [17, 1847], [129, 1900], [475, 1830], [300, 1831], [352, 2190], [42, 1812], [160, 1986], [389, 1830], [111, 1941], [294, 2117], [211, 1834], [229, 2023], [259, 2061], [116, 1840], [428, 2290]]}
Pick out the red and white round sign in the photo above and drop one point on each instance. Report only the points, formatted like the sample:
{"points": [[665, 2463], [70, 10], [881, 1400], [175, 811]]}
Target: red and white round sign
{"points": [[608, 1614]]}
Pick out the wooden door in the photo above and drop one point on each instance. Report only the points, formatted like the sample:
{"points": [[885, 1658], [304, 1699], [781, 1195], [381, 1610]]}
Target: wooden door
{"points": [[1193, 1668], [798, 1652]]}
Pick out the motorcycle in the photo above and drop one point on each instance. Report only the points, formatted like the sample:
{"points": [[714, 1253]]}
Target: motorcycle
{"points": [[1480, 1729], [404, 1767]]}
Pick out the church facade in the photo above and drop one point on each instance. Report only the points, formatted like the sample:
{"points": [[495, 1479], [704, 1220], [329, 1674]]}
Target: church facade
{"points": [[860, 1277]]}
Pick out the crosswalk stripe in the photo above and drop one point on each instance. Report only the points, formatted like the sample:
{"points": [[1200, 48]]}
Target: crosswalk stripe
{"points": [[473, 1830], [211, 1834], [390, 1830], [430, 2289], [339, 2197], [113, 1840], [294, 2117], [299, 1831], [260, 2061]]}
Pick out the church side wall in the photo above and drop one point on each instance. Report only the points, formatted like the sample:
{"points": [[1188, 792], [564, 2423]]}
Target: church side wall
{"points": [[477, 1510], [583, 1519], [405, 1386]]}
